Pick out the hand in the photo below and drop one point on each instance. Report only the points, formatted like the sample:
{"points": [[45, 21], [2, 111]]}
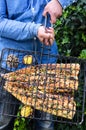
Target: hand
{"points": [[46, 35], [54, 9]]}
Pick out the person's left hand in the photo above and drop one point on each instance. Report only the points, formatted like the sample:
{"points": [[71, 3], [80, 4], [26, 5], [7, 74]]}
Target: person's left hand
{"points": [[46, 35], [54, 9]]}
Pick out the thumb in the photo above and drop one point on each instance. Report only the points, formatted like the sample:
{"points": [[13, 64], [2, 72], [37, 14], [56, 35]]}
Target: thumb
{"points": [[45, 12]]}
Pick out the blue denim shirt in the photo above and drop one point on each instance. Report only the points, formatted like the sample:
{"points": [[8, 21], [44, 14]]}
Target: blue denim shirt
{"points": [[66, 3], [19, 23]]}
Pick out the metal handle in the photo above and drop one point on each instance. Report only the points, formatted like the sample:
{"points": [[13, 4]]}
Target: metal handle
{"points": [[45, 24]]}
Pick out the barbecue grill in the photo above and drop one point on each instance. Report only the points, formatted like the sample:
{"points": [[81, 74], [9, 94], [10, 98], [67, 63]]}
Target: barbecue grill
{"points": [[56, 88]]}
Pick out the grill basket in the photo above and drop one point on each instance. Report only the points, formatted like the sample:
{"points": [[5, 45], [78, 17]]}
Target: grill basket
{"points": [[57, 89]]}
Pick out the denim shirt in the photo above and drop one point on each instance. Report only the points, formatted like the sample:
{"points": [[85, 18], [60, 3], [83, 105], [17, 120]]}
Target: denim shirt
{"points": [[66, 3], [19, 23]]}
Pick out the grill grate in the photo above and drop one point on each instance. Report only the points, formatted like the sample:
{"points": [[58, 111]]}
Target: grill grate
{"points": [[56, 88]]}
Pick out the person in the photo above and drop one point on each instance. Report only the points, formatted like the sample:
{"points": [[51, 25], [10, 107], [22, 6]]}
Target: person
{"points": [[22, 26]]}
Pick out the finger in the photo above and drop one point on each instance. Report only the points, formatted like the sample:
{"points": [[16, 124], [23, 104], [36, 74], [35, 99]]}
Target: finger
{"points": [[46, 42], [46, 35], [51, 36], [41, 39], [45, 12], [51, 41], [50, 30], [53, 19]]}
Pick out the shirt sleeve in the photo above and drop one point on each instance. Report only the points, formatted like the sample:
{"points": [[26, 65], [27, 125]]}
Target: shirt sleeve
{"points": [[15, 29], [66, 3]]}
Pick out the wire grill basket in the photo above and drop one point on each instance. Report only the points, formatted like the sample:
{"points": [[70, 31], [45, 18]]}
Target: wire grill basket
{"points": [[57, 88]]}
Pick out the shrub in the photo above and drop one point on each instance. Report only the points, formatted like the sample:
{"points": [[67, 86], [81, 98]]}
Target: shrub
{"points": [[70, 29]]}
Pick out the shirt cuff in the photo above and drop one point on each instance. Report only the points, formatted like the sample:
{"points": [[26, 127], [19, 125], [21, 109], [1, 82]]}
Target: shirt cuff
{"points": [[35, 29], [66, 3]]}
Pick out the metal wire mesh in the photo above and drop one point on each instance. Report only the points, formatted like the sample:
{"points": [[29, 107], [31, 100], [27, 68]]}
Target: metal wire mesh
{"points": [[57, 88]]}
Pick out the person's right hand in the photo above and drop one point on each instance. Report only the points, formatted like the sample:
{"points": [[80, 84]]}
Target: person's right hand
{"points": [[46, 35], [53, 8]]}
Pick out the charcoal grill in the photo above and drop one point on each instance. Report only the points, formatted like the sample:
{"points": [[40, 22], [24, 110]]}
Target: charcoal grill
{"points": [[56, 88]]}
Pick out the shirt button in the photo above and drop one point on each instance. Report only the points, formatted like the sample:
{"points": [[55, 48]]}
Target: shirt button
{"points": [[33, 9], [34, 38]]}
